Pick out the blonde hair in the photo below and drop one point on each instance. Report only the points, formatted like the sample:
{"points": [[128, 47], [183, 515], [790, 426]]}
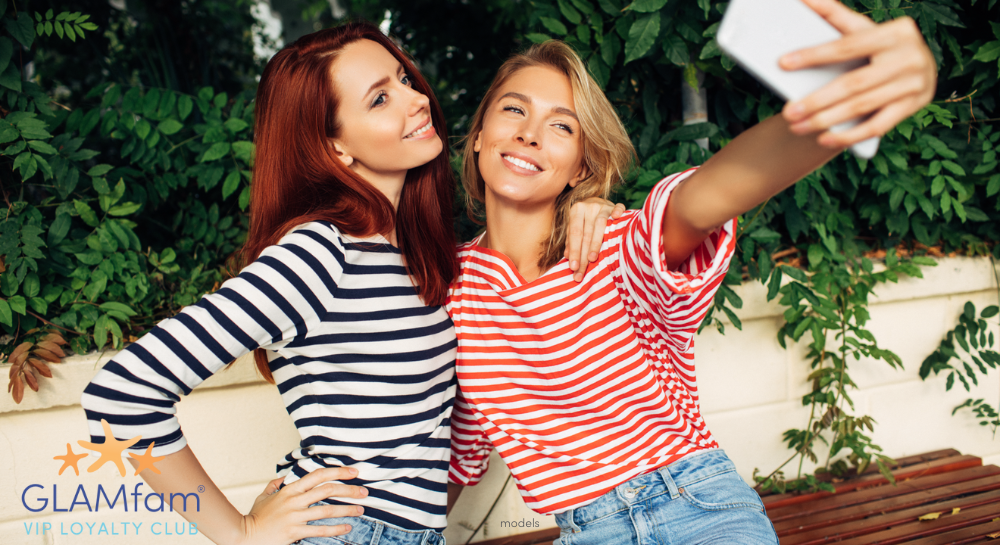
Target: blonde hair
{"points": [[607, 150]]}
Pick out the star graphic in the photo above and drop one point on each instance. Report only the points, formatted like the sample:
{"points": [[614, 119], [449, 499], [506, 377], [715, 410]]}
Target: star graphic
{"points": [[111, 450], [69, 459], [147, 460]]}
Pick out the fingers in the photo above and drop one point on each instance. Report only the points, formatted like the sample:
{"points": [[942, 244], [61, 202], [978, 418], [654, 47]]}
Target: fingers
{"points": [[877, 125], [319, 530], [325, 511], [860, 45], [844, 19], [333, 490], [315, 478], [849, 95], [618, 211], [574, 236]]}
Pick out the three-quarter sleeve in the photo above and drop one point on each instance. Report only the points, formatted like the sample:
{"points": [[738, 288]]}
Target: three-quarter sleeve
{"points": [[676, 301], [278, 297]]}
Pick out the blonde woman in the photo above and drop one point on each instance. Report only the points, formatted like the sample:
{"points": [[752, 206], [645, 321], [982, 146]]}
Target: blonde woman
{"points": [[587, 390]]}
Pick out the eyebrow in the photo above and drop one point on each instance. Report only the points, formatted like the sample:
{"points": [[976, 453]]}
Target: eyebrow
{"points": [[381, 82], [527, 100]]}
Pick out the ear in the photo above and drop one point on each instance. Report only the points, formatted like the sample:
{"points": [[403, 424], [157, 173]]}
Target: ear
{"points": [[341, 153], [582, 175], [477, 146]]}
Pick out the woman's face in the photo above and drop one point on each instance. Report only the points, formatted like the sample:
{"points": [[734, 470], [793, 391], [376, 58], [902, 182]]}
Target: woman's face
{"points": [[385, 125], [530, 146]]}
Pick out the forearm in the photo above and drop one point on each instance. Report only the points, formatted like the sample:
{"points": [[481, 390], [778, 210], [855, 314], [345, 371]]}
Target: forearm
{"points": [[756, 165], [181, 473]]}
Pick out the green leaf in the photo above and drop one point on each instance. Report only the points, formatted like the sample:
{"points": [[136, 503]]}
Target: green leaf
{"points": [[101, 332], [124, 209], [184, 106], [217, 151], [69, 32], [537, 37], [235, 125], [647, 6], [169, 126], [118, 307], [42, 147], [11, 78], [86, 213], [6, 51], [244, 198], [6, 316], [554, 25], [990, 311], [142, 128], [31, 285], [99, 170], [22, 29], [641, 36], [59, 229], [231, 184], [18, 304], [610, 49], [243, 150], [569, 12], [989, 52]]}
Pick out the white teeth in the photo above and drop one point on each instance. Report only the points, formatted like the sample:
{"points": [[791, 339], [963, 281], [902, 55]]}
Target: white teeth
{"points": [[520, 163], [420, 131]]}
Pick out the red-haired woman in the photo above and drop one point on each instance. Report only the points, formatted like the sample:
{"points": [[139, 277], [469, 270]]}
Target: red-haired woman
{"points": [[348, 259]]}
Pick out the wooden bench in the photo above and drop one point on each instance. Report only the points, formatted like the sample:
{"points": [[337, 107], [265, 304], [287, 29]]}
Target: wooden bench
{"points": [[866, 509]]}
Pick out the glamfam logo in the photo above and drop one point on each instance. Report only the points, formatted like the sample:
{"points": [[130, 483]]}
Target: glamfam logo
{"points": [[39, 498]]}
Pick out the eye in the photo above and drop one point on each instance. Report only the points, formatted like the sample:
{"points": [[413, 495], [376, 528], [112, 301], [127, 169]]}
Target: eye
{"points": [[564, 127], [406, 80], [380, 99], [515, 109]]}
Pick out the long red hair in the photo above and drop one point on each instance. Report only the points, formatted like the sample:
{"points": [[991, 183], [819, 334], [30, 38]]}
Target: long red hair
{"points": [[298, 179]]}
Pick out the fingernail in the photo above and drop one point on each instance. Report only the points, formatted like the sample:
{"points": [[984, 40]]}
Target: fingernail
{"points": [[800, 128], [364, 492], [790, 60], [827, 140], [352, 471], [361, 510], [592, 256], [574, 265]]}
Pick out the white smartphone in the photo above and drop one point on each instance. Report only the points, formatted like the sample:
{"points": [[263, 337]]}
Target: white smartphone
{"points": [[756, 33]]}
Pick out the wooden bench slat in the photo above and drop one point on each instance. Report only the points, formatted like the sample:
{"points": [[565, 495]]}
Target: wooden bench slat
{"points": [[876, 493], [909, 531], [943, 465], [887, 505], [971, 534], [905, 461], [879, 522]]}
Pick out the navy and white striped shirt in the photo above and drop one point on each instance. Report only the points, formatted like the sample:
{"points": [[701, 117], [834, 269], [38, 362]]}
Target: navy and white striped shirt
{"points": [[365, 369]]}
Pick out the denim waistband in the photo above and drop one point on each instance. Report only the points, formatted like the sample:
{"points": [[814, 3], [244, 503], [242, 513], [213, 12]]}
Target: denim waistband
{"points": [[369, 531], [670, 479]]}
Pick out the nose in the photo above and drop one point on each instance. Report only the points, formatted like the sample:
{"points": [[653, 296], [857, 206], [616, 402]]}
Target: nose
{"points": [[527, 134], [418, 102]]}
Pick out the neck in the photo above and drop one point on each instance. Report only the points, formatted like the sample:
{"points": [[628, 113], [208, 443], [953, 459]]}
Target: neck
{"points": [[390, 185], [519, 232]]}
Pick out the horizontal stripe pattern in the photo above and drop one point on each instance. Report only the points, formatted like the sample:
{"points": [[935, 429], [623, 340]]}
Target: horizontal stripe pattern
{"points": [[365, 369], [582, 386]]}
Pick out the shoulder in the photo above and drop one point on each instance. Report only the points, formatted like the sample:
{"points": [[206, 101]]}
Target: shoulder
{"points": [[308, 243]]}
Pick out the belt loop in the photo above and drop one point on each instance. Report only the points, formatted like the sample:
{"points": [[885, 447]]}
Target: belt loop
{"points": [[568, 517], [669, 481], [377, 532]]}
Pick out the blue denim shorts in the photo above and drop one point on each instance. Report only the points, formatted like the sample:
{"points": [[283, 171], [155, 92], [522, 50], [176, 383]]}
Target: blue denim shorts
{"points": [[368, 531], [698, 499]]}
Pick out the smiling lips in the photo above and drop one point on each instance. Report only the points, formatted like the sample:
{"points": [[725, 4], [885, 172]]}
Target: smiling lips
{"points": [[423, 130], [520, 163]]}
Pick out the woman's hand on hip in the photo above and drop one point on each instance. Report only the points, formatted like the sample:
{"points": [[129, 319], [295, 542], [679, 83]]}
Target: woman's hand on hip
{"points": [[282, 516], [587, 220], [899, 79]]}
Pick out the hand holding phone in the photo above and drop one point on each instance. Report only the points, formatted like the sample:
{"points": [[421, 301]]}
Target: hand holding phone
{"points": [[899, 80]]}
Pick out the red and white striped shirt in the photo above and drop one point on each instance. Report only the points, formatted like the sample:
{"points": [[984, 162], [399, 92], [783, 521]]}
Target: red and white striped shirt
{"points": [[582, 386]]}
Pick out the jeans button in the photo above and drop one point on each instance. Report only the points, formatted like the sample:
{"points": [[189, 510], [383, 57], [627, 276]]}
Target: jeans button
{"points": [[629, 492]]}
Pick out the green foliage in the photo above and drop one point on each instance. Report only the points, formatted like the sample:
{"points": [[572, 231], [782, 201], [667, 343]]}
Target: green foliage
{"points": [[966, 353], [73, 255]]}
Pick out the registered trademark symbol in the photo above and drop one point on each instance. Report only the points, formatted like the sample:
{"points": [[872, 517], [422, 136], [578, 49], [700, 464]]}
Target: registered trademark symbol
{"points": [[201, 488]]}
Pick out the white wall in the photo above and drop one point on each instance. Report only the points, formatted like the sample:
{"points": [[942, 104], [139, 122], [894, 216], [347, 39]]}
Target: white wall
{"points": [[750, 389]]}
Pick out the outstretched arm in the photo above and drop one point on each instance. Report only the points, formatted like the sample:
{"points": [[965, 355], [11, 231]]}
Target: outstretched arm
{"points": [[762, 161]]}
